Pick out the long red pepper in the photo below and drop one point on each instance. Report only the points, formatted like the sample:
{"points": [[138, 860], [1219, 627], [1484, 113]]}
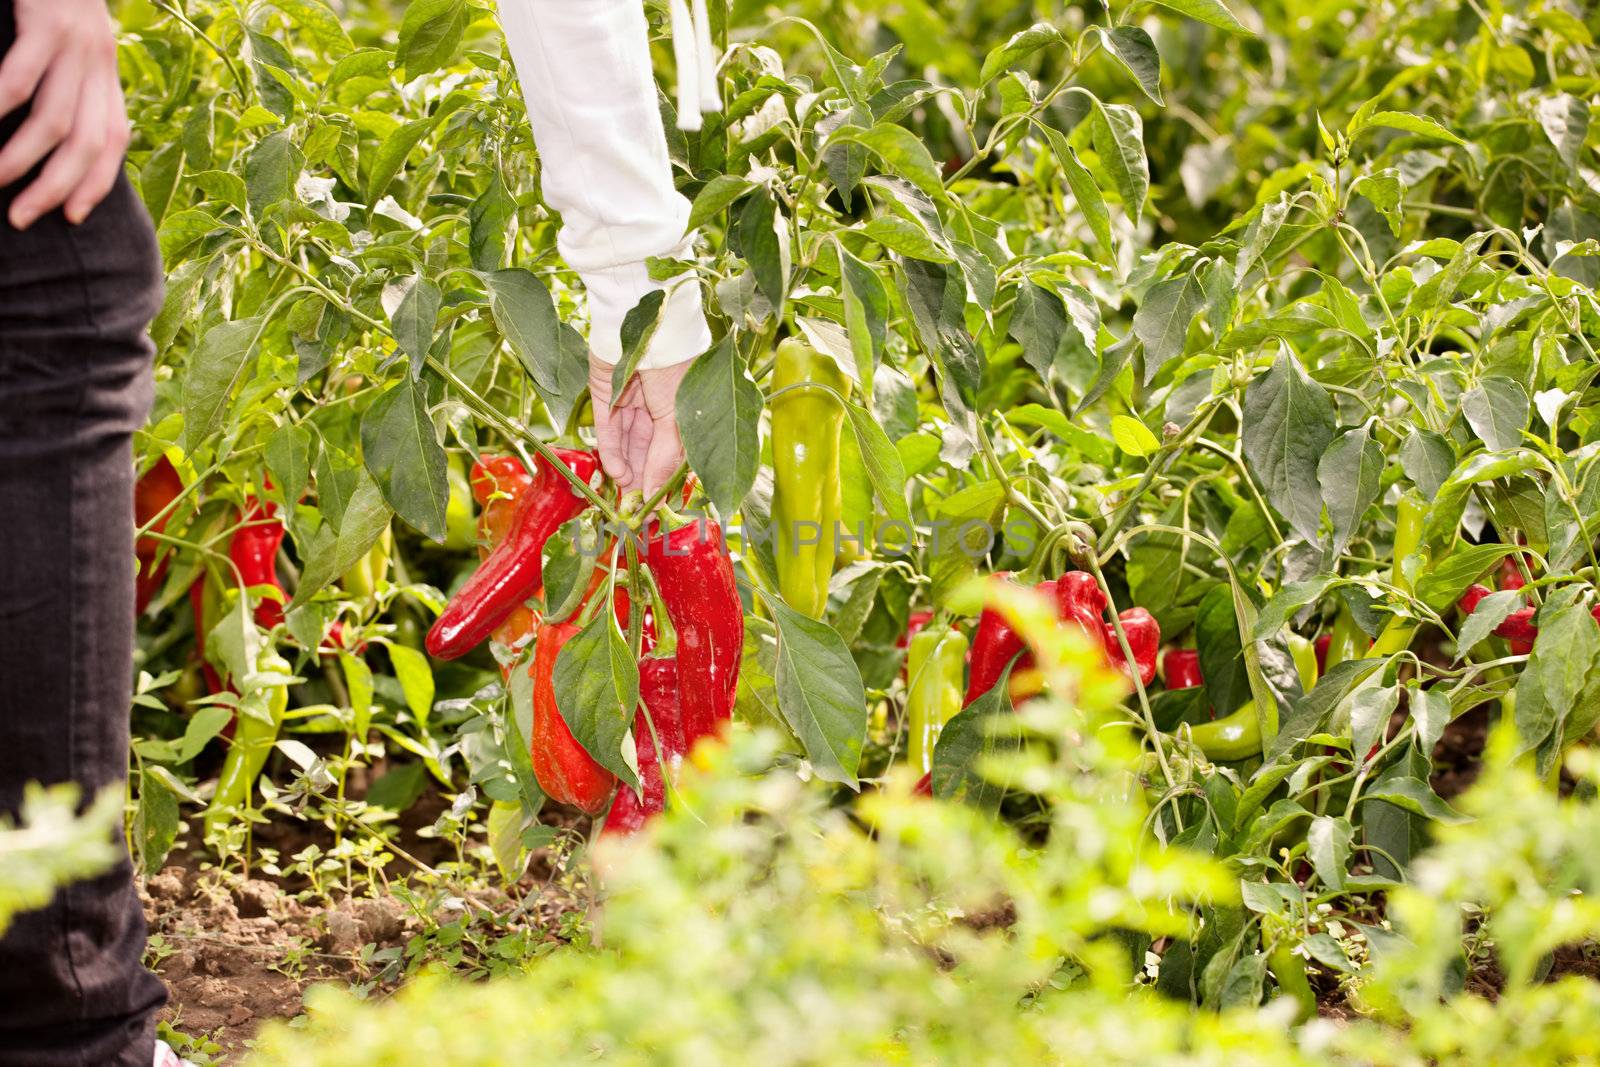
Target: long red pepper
{"points": [[514, 569], [500, 485], [254, 550], [564, 768], [694, 575], [658, 693], [155, 489]]}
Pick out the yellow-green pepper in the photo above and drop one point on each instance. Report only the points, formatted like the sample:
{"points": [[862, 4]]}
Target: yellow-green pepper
{"points": [[806, 497], [255, 731], [934, 664]]}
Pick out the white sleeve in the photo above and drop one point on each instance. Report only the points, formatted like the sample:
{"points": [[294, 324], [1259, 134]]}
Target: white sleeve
{"points": [[591, 98]]}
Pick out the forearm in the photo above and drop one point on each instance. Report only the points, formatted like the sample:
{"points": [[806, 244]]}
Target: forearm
{"points": [[591, 101]]}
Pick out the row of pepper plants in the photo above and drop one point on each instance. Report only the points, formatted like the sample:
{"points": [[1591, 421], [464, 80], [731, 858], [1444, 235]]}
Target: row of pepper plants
{"points": [[1285, 407]]}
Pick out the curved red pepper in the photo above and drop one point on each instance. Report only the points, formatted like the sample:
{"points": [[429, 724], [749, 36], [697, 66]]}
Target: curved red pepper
{"points": [[564, 768], [658, 694], [500, 485], [152, 493], [514, 570], [1182, 667], [254, 550], [694, 575]]}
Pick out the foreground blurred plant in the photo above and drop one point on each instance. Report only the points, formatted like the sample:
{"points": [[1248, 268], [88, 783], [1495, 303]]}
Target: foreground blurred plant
{"points": [[52, 846]]}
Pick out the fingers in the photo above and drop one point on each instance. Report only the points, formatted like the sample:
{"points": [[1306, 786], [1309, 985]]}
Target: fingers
{"points": [[72, 160], [25, 65], [49, 122], [102, 173], [664, 456]]}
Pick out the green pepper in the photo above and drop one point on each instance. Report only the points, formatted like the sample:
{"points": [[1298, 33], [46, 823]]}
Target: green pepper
{"points": [[934, 666], [255, 732], [1235, 737], [1346, 642], [1290, 971], [1305, 660], [361, 581], [806, 497], [1410, 514]]}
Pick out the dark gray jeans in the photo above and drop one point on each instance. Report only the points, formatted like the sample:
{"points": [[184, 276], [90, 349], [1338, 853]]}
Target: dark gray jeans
{"points": [[74, 385]]}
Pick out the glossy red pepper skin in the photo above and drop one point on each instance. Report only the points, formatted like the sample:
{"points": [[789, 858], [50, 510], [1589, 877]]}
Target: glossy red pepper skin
{"points": [[1144, 640], [658, 694], [694, 575], [254, 550], [514, 569], [994, 645], [155, 490], [1321, 646], [1182, 668], [564, 768], [500, 485]]}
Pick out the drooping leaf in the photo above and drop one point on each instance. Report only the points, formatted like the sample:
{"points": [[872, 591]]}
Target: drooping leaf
{"points": [[405, 458], [216, 366], [1162, 321], [1136, 51], [597, 692], [820, 694], [1349, 473], [1288, 424], [719, 412]]}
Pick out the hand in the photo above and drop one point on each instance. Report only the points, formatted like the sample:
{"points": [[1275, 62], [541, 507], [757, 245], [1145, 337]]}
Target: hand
{"points": [[638, 434], [65, 61]]}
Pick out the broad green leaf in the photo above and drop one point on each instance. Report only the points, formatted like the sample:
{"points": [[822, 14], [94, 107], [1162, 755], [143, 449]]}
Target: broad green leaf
{"points": [[1491, 611], [1163, 319], [1402, 120], [764, 244], [638, 327], [1450, 500], [159, 177], [1288, 424], [155, 823], [716, 195], [404, 457], [1384, 190], [1414, 795], [490, 215], [1349, 473], [207, 722], [597, 692], [906, 238], [288, 456], [1091, 202], [504, 825], [1497, 410], [882, 462], [392, 155], [1442, 584], [1022, 44], [1209, 11], [215, 368], [271, 169], [430, 33], [1133, 436], [901, 150], [416, 680], [1565, 120], [1328, 841], [866, 313], [320, 21], [363, 520], [719, 412], [1427, 458], [1136, 51], [1286, 602], [982, 728], [526, 316], [414, 321], [820, 694], [1118, 135]]}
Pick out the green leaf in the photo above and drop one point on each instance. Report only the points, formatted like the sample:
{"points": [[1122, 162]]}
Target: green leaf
{"points": [[1091, 202], [820, 694], [208, 722], [866, 313], [719, 415], [399, 787], [1162, 321], [1404, 120], [155, 825], [1133, 436], [981, 729], [1288, 424], [271, 169], [404, 456], [392, 155], [1021, 45], [1286, 602], [716, 195], [416, 680], [764, 244], [1565, 120], [288, 456], [1118, 135], [430, 33], [159, 177], [215, 368], [318, 20], [1416, 796], [1427, 458], [882, 461], [1384, 190], [1135, 50], [1497, 410], [901, 150], [491, 213], [1208, 11], [597, 691], [1328, 841], [1491, 611], [504, 825], [1442, 584], [526, 317], [907, 238], [1349, 474], [638, 327], [414, 321]]}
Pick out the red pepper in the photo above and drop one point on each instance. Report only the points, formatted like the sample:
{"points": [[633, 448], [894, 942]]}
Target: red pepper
{"points": [[154, 491], [500, 485], [564, 768], [694, 575], [1182, 668], [658, 693], [918, 620], [1511, 575], [197, 601], [1519, 631], [514, 569], [1321, 646], [254, 550], [1079, 599], [994, 645], [1472, 598]]}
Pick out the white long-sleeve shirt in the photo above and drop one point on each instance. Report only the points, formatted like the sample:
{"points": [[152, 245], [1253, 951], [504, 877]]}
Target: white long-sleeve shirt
{"points": [[591, 98]]}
